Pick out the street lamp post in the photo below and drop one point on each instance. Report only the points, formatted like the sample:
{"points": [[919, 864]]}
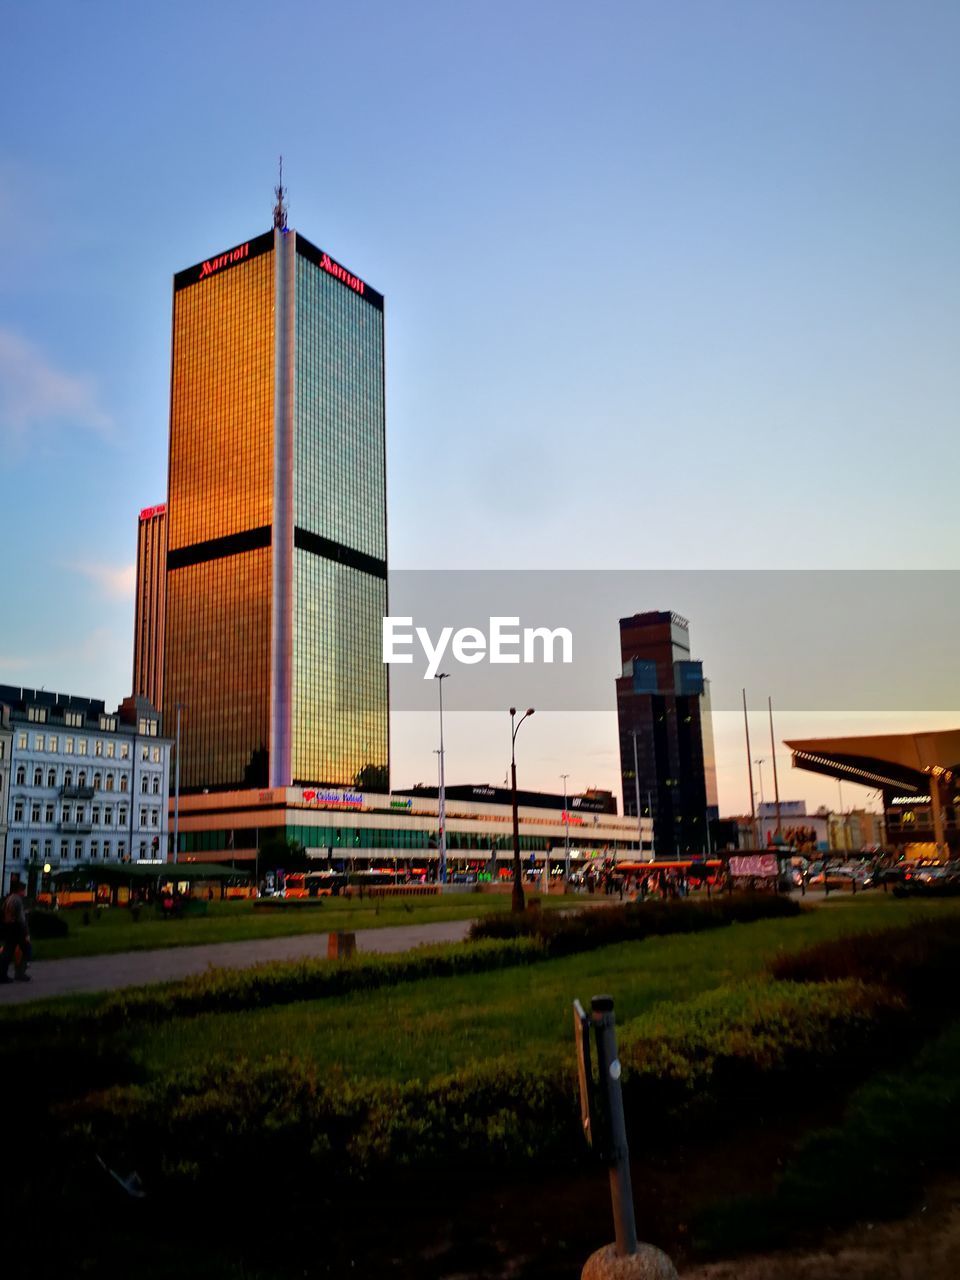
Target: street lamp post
{"points": [[442, 798], [566, 832], [176, 794], [518, 901]]}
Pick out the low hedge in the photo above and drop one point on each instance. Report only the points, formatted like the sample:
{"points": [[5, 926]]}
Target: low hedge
{"points": [[680, 1064], [919, 960], [567, 932], [233, 990], [898, 1128], [46, 924], [531, 938]]}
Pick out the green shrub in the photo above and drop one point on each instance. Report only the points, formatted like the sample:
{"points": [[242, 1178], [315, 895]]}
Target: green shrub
{"points": [[569, 932], [681, 1064], [233, 990], [919, 960], [46, 924], [898, 1129]]}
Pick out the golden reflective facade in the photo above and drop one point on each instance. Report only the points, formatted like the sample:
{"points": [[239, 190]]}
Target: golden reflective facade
{"points": [[276, 518], [218, 669], [217, 659], [221, 410], [150, 604]]}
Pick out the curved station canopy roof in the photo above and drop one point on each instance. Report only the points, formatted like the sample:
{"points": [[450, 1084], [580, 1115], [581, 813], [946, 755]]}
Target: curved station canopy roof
{"points": [[902, 761]]}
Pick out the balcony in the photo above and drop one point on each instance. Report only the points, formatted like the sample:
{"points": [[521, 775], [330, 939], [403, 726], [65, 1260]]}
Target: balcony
{"points": [[75, 828], [77, 793]]}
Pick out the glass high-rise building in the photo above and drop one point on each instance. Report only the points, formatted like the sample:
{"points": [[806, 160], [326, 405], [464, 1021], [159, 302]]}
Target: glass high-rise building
{"points": [[667, 764], [276, 521], [151, 592]]}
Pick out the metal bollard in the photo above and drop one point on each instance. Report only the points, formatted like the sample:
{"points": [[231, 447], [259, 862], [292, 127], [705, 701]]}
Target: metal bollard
{"points": [[617, 1153], [604, 1123]]}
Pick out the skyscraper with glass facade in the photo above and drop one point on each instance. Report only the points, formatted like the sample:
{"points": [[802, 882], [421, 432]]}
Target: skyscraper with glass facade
{"points": [[276, 521], [667, 764]]}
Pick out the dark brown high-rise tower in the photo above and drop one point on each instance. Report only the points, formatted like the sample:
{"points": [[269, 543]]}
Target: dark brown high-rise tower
{"points": [[666, 733]]}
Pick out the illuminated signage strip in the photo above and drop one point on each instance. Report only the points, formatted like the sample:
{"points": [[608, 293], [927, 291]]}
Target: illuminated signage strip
{"points": [[223, 261], [339, 272], [149, 512]]}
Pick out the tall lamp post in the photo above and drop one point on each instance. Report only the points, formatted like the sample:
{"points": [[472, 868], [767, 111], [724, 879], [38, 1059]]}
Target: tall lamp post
{"points": [[566, 832], [176, 793], [518, 901], [442, 798]]}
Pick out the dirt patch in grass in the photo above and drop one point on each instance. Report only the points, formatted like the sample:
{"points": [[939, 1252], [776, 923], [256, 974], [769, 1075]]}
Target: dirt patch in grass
{"points": [[925, 1246]]}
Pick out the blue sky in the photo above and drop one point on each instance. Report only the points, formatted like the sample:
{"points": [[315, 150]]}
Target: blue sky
{"points": [[667, 285]]}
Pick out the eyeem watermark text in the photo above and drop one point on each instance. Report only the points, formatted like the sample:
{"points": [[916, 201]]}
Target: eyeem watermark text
{"points": [[504, 642]]}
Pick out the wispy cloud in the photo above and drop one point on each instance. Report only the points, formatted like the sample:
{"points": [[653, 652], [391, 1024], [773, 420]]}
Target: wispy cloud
{"points": [[116, 582], [34, 395]]}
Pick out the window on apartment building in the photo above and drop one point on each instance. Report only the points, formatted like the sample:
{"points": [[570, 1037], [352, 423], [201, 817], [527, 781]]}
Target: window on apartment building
{"points": [[47, 850], [111, 750], [82, 778], [98, 781], [35, 811], [38, 777], [155, 755], [68, 746], [144, 784], [53, 743], [143, 848], [155, 784], [81, 746], [124, 750], [38, 742], [108, 782], [16, 849], [98, 747], [68, 777], [66, 814], [106, 848], [21, 776], [21, 742], [51, 777], [95, 814], [123, 782], [122, 816], [77, 850], [73, 719], [64, 850], [94, 849], [37, 714], [121, 849], [18, 810], [154, 817], [48, 813]]}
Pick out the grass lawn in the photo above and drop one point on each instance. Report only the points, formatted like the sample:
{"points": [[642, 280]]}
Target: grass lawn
{"points": [[116, 931], [426, 1028]]}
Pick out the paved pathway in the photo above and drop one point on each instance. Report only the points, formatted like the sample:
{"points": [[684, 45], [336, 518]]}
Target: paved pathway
{"points": [[136, 968]]}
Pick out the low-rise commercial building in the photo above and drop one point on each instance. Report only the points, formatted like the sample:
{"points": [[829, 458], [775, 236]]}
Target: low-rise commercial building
{"points": [[85, 784], [344, 828]]}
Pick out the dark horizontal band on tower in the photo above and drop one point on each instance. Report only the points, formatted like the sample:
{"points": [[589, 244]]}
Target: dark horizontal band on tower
{"points": [[235, 544], [331, 550], [217, 548]]}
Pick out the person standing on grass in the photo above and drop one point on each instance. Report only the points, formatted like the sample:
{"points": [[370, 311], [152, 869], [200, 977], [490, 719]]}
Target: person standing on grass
{"points": [[16, 933]]}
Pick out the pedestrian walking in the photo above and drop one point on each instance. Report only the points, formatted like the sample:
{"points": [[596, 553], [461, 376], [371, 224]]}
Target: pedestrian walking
{"points": [[16, 935]]}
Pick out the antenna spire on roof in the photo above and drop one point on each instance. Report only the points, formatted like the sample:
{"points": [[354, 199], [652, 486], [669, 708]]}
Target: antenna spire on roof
{"points": [[280, 208]]}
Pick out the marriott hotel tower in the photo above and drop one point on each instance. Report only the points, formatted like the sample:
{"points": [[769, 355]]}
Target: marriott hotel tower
{"points": [[276, 556]]}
